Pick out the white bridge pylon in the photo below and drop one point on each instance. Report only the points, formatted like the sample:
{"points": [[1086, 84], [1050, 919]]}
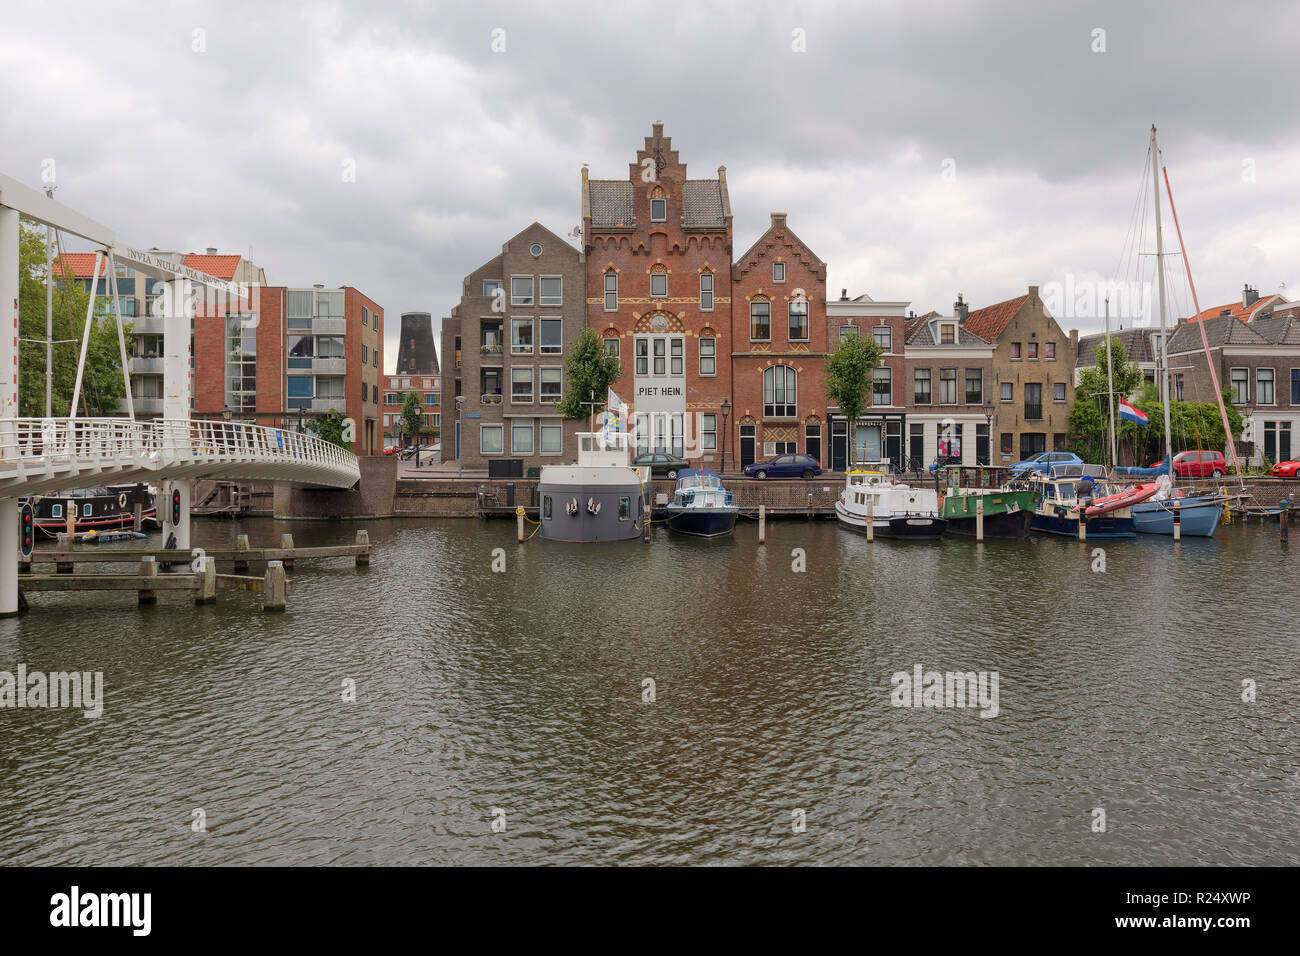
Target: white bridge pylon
{"points": [[44, 455]]}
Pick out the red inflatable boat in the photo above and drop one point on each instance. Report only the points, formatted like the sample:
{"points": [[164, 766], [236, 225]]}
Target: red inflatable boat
{"points": [[1129, 496]]}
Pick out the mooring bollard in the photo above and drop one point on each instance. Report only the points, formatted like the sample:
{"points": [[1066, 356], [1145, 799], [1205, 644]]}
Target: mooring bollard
{"points": [[363, 541], [65, 544], [71, 506], [979, 519], [1284, 518], [519, 523], [138, 519], [1083, 524], [286, 544], [1178, 520], [646, 515], [148, 569], [762, 524], [275, 587], [205, 585], [241, 544], [871, 519], [810, 506]]}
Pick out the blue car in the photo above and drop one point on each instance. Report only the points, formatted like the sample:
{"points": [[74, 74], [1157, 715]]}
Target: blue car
{"points": [[785, 466], [1044, 461]]}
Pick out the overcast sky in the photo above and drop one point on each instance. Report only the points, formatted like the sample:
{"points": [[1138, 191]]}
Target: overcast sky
{"points": [[922, 150]]}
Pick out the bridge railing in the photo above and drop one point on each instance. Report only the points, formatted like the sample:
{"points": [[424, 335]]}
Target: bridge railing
{"points": [[93, 441], [221, 440]]}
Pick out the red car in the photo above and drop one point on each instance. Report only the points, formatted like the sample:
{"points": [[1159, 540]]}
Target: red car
{"points": [[1285, 469], [1200, 464]]}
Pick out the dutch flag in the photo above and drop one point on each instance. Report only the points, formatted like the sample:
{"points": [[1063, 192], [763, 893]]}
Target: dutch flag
{"points": [[1131, 414]]}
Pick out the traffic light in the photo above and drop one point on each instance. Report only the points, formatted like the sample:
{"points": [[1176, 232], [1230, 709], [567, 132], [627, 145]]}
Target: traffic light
{"points": [[28, 530], [176, 507]]}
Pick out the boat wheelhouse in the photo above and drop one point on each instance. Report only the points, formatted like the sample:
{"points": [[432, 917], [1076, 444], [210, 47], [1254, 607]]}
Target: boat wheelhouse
{"points": [[1006, 513], [601, 498], [1067, 491], [891, 510], [700, 505]]}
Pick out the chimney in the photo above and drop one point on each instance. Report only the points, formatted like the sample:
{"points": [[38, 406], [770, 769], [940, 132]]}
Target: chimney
{"points": [[960, 309], [1249, 296], [778, 219], [319, 285], [212, 250], [844, 295], [1074, 340]]}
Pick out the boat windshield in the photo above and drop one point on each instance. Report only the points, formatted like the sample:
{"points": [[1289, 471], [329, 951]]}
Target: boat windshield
{"points": [[698, 481]]}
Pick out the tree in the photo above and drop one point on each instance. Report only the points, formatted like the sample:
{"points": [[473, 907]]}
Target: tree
{"points": [[589, 370], [103, 387], [413, 415], [330, 427], [849, 374], [1089, 418]]}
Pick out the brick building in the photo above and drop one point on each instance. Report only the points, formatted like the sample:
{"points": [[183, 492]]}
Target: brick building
{"points": [[949, 383], [1033, 375], [658, 251], [519, 315], [429, 388], [880, 429], [779, 341]]}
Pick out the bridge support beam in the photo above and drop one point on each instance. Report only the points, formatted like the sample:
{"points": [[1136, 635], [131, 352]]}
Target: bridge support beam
{"points": [[8, 403], [8, 557]]}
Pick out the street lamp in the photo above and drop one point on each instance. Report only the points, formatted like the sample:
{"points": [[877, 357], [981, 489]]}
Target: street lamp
{"points": [[988, 425], [726, 410]]}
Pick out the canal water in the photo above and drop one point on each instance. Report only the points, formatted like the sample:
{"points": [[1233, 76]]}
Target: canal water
{"points": [[505, 716]]}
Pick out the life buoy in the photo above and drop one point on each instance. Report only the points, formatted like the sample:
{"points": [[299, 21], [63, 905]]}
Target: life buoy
{"points": [[121, 500]]}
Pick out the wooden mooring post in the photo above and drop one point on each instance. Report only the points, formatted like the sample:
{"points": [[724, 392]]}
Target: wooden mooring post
{"points": [[645, 521], [762, 524], [64, 545], [241, 544], [871, 519], [979, 519], [205, 587], [363, 541], [148, 569], [519, 524], [138, 518], [286, 544], [1284, 519], [1083, 525], [1178, 520], [275, 590]]}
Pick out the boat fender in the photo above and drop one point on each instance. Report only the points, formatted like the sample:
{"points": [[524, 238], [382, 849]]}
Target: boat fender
{"points": [[593, 506], [572, 506]]}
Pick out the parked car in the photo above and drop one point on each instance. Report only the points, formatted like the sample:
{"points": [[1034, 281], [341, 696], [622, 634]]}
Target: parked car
{"points": [[392, 449], [1044, 461], [1200, 464], [785, 466], [1285, 469], [661, 464]]}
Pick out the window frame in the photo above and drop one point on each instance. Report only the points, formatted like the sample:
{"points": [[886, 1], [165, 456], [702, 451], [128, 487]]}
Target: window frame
{"points": [[943, 380], [706, 274], [929, 386], [542, 297], [1272, 386], [485, 427], [515, 347], [519, 424], [789, 319], [516, 396], [542, 396], [611, 278], [778, 278], [979, 398], [754, 303], [662, 278], [712, 356], [530, 298]]}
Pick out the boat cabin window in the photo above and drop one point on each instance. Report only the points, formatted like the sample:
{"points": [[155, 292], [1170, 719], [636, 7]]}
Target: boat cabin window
{"points": [[624, 508], [86, 511], [56, 511], [546, 506]]}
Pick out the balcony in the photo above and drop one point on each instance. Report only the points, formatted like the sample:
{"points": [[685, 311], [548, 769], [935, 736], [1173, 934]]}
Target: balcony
{"points": [[148, 325], [329, 325], [323, 405], [144, 406], [146, 365], [329, 366], [1033, 412], [490, 398]]}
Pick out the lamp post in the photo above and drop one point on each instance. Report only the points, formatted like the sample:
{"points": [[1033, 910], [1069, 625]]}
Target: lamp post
{"points": [[988, 425], [726, 411]]}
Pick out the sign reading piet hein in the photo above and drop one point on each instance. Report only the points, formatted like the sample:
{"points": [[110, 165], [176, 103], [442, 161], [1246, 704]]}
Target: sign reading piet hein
{"points": [[659, 391]]}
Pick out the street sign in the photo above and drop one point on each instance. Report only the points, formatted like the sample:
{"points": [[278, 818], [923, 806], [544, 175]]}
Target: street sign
{"points": [[475, 415]]}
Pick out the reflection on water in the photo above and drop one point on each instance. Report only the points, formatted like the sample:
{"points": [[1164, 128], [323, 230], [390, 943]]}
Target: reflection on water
{"points": [[523, 691]]}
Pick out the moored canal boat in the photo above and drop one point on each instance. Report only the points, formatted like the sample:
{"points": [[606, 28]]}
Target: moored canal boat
{"points": [[1070, 490], [95, 509], [700, 505], [601, 498], [892, 510], [1007, 514]]}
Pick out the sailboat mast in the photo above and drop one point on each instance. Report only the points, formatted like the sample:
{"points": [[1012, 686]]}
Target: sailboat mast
{"points": [[1160, 279], [1110, 392], [49, 315]]}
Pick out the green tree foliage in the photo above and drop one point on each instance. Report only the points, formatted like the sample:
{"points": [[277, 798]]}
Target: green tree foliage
{"points": [[849, 373], [589, 370], [102, 386], [330, 427], [1089, 418], [412, 416]]}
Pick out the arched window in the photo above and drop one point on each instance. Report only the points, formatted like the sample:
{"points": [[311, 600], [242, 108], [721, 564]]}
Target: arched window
{"points": [[779, 391], [658, 205], [760, 320]]}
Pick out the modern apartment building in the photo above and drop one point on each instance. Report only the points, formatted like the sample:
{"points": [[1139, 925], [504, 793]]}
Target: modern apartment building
{"points": [[518, 316]]}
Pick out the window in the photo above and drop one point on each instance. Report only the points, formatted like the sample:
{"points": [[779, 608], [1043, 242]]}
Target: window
{"points": [[659, 285], [1004, 443], [1295, 387], [624, 508], [331, 346], [490, 379], [798, 312], [521, 290], [1033, 402], [521, 438], [660, 349], [658, 205], [1240, 386], [760, 320], [1033, 351], [1032, 443], [1015, 351], [550, 385], [1058, 441], [642, 356], [706, 291], [947, 386], [551, 332], [676, 365], [1008, 391], [374, 357], [611, 291], [521, 385], [1263, 386], [974, 386], [300, 305], [491, 287], [884, 337], [1049, 351], [301, 350], [521, 336], [849, 331], [708, 356], [921, 386], [552, 290], [778, 272], [779, 392], [489, 439], [490, 337], [708, 432], [611, 347], [365, 317], [1178, 387], [546, 500], [552, 437], [1058, 393], [535, 249], [947, 334], [431, 398], [392, 398], [882, 386], [365, 354], [301, 390], [331, 386]]}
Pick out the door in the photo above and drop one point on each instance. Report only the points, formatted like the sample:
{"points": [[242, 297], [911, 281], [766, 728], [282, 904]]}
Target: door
{"points": [[812, 442], [868, 443], [839, 446], [747, 437], [894, 444], [1283, 441], [982, 450], [1270, 442]]}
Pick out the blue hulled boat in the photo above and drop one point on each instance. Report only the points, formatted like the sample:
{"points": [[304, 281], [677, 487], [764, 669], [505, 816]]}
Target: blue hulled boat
{"points": [[1198, 515], [1059, 503], [700, 505]]}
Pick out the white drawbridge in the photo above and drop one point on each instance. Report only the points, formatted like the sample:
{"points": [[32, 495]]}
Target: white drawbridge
{"points": [[44, 455]]}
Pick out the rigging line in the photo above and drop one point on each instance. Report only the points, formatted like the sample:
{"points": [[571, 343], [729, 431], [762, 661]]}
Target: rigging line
{"points": [[1133, 216]]}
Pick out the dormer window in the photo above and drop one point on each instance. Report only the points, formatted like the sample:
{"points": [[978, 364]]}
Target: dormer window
{"points": [[947, 333], [658, 205]]}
